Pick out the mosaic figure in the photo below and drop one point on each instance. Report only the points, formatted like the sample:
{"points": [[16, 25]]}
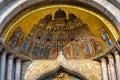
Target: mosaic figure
{"points": [[17, 34], [46, 52], [81, 49], [41, 49], [96, 45], [86, 47], [19, 42], [76, 49], [67, 51], [25, 45], [105, 37]]}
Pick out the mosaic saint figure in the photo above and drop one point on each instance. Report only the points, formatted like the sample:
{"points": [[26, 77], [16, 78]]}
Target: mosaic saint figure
{"points": [[46, 51], [15, 37], [30, 46], [81, 49], [71, 37], [34, 45], [71, 50], [96, 45], [105, 37], [76, 49], [19, 42], [36, 48], [67, 51], [85, 44], [41, 48], [25, 44], [91, 49]]}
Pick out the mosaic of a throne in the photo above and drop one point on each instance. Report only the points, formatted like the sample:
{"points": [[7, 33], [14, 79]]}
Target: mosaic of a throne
{"points": [[60, 32]]}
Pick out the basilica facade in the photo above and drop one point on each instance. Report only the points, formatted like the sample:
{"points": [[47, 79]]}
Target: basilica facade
{"points": [[59, 40]]}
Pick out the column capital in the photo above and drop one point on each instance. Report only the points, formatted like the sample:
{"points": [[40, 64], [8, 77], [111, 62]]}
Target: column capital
{"points": [[103, 59], [10, 57], [18, 60], [110, 56], [1, 47], [4, 52], [116, 53]]}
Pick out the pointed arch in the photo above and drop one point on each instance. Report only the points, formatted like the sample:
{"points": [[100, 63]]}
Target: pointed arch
{"points": [[63, 67]]}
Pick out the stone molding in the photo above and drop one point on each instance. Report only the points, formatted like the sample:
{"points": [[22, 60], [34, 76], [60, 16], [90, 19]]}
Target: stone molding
{"points": [[82, 68]]}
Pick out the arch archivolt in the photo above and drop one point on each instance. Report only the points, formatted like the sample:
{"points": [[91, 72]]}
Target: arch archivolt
{"points": [[87, 69]]}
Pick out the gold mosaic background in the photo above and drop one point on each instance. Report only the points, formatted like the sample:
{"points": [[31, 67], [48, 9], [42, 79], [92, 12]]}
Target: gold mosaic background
{"points": [[94, 21]]}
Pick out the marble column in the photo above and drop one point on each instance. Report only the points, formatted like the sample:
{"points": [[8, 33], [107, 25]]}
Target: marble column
{"points": [[112, 67], [104, 68], [18, 69], [117, 59], [109, 72], [9, 67], [3, 65]]}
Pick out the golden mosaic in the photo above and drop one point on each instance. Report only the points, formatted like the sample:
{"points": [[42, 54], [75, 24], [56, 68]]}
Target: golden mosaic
{"points": [[78, 32]]}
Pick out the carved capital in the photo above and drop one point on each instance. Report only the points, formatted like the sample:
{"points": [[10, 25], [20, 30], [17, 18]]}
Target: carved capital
{"points": [[4, 52], [10, 57], [103, 59], [18, 60]]}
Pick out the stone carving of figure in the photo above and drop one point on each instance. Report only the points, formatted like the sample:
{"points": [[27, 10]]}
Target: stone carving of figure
{"points": [[105, 37]]}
